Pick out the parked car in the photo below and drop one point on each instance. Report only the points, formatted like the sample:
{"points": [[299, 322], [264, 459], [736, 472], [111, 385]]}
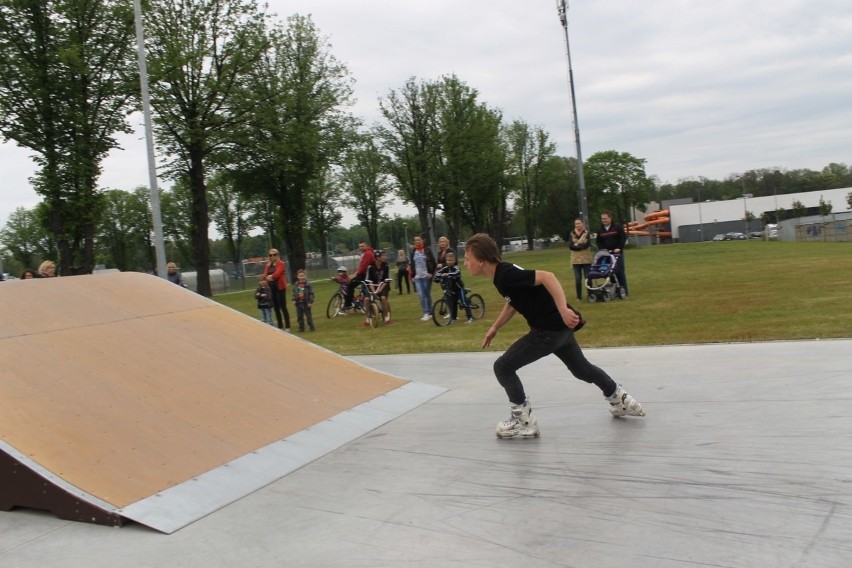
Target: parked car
{"points": [[735, 236], [719, 237], [755, 235]]}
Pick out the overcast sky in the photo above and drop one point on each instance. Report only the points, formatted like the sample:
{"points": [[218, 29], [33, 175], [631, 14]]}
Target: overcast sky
{"points": [[696, 88]]}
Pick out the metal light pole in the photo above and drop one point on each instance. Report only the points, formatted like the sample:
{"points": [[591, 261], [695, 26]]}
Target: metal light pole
{"points": [[562, 9], [156, 216]]}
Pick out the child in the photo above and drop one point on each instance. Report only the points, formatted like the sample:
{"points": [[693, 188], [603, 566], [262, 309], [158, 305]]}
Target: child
{"points": [[263, 295], [379, 280], [303, 297], [343, 279], [450, 278]]}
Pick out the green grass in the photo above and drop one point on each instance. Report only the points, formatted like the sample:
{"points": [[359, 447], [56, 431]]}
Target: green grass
{"points": [[686, 293]]}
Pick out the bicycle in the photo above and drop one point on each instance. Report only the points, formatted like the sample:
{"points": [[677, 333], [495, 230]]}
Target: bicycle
{"points": [[441, 307], [373, 313]]}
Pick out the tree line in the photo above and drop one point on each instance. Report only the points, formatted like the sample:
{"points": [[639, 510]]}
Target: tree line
{"points": [[253, 125]]}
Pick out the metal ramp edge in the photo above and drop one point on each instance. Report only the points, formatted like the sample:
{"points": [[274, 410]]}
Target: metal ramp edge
{"points": [[185, 503]]}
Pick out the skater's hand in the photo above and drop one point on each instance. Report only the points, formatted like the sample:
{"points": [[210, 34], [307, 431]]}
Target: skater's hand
{"points": [[570, 317], [489, 335]]}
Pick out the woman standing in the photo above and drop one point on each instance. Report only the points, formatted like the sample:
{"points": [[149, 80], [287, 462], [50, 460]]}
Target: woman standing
{"points": [[443, 249], [539, 297], [275, 273], [402, 271], [173, 275], [422, 271], [581, 256]]}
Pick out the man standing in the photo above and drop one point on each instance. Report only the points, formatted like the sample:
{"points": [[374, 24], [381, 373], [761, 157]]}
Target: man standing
{"points": [[368, 257], [611, 237]]}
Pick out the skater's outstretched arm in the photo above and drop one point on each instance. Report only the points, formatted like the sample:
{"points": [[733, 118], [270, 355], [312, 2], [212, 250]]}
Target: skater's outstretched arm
{"points": [[505, 316]]}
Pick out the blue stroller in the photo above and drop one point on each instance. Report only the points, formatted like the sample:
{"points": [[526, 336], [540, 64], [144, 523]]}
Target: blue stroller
{"points": [[602, 282]]}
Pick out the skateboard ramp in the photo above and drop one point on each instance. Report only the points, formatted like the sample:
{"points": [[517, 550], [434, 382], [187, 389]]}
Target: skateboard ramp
{"points": [[125, 397]]}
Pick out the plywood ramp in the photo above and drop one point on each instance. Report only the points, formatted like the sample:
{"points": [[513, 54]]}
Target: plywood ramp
{"points": [[134, 397]]}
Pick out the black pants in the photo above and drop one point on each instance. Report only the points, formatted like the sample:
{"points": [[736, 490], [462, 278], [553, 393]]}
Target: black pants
{"points": [[621, 272], [537, 344], [354, 284], [279, 304], [303, 312], [581, 273], [400, 277]]}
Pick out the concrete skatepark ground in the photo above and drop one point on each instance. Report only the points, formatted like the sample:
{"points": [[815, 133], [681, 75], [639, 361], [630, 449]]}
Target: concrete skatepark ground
{"points": [[744, 459]]}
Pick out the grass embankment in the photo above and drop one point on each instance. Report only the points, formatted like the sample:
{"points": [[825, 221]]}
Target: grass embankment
{"points": [[685, 293]]}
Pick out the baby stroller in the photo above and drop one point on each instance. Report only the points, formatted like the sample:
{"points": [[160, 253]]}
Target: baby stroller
{"points": [[602, 282]]}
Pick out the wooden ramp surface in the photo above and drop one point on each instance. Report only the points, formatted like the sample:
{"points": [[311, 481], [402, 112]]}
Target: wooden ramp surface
{"points": [[123, 388]]}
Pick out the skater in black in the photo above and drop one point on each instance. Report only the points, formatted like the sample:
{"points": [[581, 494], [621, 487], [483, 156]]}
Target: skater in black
{"points": [[538, 296]]}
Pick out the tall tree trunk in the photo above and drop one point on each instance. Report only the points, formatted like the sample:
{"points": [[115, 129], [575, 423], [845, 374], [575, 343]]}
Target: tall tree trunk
{"points": [[200, 219], [530, 230], [425, 223]]}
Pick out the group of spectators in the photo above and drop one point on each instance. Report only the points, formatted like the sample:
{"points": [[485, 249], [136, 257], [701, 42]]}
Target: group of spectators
{"points": [[271, 295], [46, 269], [420, 268]]}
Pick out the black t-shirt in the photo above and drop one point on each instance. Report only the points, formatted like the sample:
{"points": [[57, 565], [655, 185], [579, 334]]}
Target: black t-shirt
{"points": [[377, 275], [533, 302]]}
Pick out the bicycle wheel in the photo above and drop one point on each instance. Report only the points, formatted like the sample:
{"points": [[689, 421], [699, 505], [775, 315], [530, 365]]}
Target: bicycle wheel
{"points": [[440, 311], [374, 314], [334, 305], [477, 306]]}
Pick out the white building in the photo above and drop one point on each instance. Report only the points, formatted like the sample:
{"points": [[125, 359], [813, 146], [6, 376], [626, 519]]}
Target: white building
{"points": [[711, 214]]}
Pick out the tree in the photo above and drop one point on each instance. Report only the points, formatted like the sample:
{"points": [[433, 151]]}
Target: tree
{"points": [[616, 181], [748, 218], [297, 97], [471, 158], [411, 143], [177, 226], [824, 207], [25, 237], [561, 204], [798, 209], [836, 175], [849, 199], [366, 186], [199, 53], [232, 214], [323, 211], [65, 87], [529, 150], [125, 232]]}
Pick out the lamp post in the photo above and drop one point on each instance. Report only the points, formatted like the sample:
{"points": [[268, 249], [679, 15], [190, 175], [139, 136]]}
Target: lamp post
{"points": [[156, 217], [562, 10], [325, 248]]}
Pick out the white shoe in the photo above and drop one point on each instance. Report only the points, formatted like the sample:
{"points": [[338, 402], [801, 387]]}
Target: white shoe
{"points": [[622, 404], [520, 423], [426, 317]]}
